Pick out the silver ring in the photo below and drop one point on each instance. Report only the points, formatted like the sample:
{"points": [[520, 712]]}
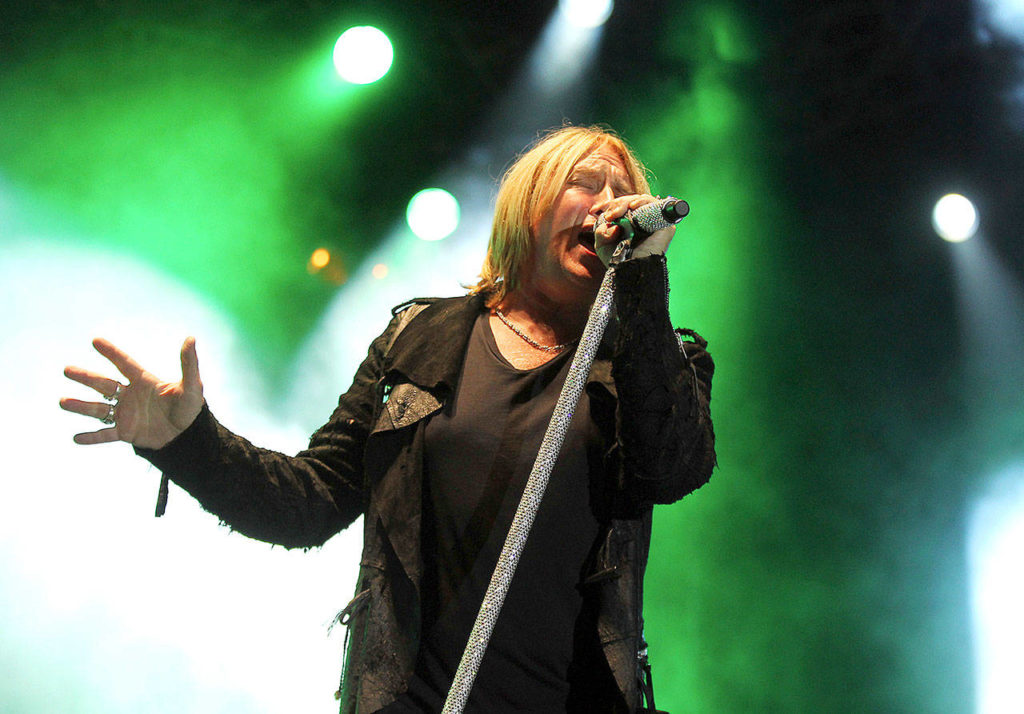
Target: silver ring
{"points": [[116, 395], [111, 414]]}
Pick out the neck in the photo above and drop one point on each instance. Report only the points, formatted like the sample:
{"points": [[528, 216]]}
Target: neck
{"points": [[547, 320]]}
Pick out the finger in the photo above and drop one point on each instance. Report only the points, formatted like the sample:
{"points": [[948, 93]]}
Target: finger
{"points": [[607, 232], [103, 436], [190, 365], [615, 211], [97, 410], [623, 204], [125, 364], [103, 385]]}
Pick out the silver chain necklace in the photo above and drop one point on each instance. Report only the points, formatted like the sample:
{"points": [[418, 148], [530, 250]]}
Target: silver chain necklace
{"points": [[529, 340]]}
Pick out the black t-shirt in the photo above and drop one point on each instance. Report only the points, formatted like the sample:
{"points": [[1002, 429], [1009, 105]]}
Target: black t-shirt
{"points": [[479, 453]]}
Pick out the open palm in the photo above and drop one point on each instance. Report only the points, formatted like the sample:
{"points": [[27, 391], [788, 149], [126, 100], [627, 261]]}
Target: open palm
{"points": [[149, 413]]}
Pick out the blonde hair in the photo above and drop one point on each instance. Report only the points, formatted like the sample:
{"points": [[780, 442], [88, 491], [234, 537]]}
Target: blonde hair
{"points": [[529, 188]]}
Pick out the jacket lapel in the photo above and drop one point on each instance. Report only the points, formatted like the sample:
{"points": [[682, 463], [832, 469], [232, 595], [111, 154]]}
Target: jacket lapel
{"points": [[430, 350]]}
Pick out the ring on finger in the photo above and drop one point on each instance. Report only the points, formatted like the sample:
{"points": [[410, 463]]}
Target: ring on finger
{"points": [[116, 394], [111, 416]]}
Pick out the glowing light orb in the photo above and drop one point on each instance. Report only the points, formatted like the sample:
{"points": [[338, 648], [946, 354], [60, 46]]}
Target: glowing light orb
{"points": [[586, 13], [319, 260], [380, 271], [954, 218], [433, 214], [327, 267], [363, 55]]}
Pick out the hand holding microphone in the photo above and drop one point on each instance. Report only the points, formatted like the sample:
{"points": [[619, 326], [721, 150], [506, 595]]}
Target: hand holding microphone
{"points": [[649, 228]]}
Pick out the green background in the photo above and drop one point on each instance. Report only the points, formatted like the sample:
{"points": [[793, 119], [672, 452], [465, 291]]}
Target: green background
{"points": [[861, 403]]}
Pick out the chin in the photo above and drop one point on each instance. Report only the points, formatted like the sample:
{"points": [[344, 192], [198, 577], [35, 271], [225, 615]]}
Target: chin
{"points": [[590, 267], [586, 280]]}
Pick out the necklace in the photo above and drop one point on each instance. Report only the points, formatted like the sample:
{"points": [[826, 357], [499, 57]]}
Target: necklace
{"points": [[529, 340]]}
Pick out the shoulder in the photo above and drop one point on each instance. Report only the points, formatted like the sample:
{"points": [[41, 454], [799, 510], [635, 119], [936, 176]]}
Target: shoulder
{"points": [[428, 337], [415, 305], [437, 306], [439, 315]]}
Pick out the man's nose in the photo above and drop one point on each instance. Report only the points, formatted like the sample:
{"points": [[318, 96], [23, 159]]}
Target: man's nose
{"points": [[601, 201]]}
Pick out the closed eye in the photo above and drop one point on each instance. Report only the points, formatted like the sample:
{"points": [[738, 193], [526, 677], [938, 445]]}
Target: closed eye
{"points": [[588, 183]]}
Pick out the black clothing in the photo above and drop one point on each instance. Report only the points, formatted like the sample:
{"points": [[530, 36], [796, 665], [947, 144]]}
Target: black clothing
{"points": [[649, 401], [480, 450]]}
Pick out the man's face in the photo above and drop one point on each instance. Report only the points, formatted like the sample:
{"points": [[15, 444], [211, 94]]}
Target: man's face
{"points": [[564, 263]]}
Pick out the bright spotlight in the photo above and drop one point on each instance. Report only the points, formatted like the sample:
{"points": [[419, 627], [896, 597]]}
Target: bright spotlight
{"points": [[586, 13], [363, 55], [433, 214], [955, 218], [996, 543]]}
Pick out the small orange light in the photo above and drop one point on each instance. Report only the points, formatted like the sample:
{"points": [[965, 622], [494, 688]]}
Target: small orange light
{"points": [[380, 271], [319, 260]]}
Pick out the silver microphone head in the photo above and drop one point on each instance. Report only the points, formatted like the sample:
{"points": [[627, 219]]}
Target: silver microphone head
{"points": [[651, 217]]}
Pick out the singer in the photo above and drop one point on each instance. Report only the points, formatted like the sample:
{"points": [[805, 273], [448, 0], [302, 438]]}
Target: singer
{"points": [[433, 442]]}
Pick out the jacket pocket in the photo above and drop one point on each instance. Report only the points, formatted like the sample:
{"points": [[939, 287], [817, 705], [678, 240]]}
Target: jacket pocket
{"points": [[406, 404]]}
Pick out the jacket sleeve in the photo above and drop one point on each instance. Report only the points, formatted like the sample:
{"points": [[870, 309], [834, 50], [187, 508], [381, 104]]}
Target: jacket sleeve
{"points": [[663, 381], [296, 501]]}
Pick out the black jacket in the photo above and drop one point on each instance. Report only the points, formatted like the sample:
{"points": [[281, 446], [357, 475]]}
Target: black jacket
{"points": [[649, 397]]}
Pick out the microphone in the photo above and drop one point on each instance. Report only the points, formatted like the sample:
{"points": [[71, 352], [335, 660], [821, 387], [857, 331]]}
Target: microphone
{"points": [[650, 218]]}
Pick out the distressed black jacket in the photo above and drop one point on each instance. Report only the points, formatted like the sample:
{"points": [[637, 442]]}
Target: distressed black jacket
{"points": [[649, 393]]}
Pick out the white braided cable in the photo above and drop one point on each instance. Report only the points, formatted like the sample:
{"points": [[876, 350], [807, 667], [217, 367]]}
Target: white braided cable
{"points": [[568, 400]]}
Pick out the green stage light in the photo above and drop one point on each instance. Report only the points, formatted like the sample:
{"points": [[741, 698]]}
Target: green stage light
{"points": [[433, 214], [363, 55]]}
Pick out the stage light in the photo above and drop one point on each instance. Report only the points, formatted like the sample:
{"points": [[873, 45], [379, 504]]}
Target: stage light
{"points": [[319, 260], [586, 13], [363, 55], [327, 267], [1004, 16], [955, 218], [996, 546], [433, 214], [380, 271]]}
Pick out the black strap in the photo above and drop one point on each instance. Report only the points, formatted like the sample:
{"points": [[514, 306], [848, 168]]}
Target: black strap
{"points": [[647, 685]]}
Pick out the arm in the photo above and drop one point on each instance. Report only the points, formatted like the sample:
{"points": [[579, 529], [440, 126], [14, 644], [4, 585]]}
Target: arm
{"points": [[664, 387], [298, 501]]}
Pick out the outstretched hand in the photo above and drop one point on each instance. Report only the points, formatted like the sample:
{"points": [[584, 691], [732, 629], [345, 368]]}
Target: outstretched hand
{"points": [[145, 412]]}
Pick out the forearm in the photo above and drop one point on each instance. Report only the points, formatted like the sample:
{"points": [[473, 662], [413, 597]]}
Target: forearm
{"points": [[664, 389], [298, 501]]}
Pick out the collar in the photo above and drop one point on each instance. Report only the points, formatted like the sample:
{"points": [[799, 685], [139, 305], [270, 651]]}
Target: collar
{"points": [[430, 350]]}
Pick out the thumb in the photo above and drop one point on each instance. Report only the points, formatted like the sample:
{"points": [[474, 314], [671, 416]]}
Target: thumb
{"points": [[190, 366]]}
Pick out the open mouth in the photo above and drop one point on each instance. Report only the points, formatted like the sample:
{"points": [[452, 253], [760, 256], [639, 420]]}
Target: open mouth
{"points": [[586, 237]]}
